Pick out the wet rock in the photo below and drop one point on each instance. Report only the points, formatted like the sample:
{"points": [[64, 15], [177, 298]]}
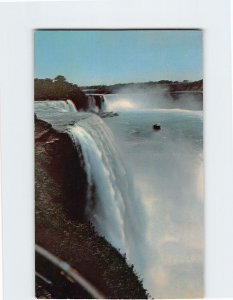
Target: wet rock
{"points": [[108, 114]]}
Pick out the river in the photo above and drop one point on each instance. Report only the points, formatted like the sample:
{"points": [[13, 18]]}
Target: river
{"points": [[149, 187]]}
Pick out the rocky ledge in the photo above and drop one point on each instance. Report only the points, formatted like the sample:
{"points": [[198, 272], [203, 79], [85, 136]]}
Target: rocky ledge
{"points": [[60, 225]]}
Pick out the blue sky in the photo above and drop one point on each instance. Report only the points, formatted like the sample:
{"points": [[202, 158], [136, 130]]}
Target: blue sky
{"points": [[108, 57]]}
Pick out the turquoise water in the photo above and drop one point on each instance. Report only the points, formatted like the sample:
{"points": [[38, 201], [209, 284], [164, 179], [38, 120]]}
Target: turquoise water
{"points": [[167, 170], [149, 186]]}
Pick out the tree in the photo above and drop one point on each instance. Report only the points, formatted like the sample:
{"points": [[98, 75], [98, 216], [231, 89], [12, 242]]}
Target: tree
{"points": [[79, 98], [60, 78], [59, 88]]}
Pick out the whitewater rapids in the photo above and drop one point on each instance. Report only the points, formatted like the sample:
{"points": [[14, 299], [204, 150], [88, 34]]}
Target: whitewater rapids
{"points": [[145, 188], [112, 205]]}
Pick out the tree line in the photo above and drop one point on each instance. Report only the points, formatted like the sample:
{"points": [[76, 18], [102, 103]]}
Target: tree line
{"points": [[172, 86], [59, 89]]}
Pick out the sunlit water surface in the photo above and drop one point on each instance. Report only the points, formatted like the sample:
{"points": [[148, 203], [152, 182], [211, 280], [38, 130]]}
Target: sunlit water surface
{"points": [[167, 171], [150, 188]]}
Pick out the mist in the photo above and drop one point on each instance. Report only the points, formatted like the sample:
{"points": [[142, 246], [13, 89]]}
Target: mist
{"points": [[167, 171], [134, 98], [148, 184]]}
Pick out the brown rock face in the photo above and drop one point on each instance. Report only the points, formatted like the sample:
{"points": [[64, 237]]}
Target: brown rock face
{"points": [[60, 225], [65, 166]]}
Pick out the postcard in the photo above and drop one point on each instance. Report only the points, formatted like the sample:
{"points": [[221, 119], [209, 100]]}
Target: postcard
{"points": [[116, 150], [119, 163]]}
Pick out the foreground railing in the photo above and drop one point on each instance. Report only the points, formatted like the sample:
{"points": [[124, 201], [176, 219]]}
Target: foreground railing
{"points": [[60, 279]]}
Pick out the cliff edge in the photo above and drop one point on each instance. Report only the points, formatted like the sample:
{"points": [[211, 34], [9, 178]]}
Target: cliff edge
{"points": [[60, 225]]}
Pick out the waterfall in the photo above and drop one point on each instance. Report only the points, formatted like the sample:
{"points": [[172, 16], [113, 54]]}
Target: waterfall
{"points": [[96, 102], [51, 106], [92, 104], [71, 105], [112, 211], [152, 209], [112, 203]]}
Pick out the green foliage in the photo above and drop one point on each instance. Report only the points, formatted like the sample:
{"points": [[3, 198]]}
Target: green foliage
{"points": [[60, 78], [59, 89]]}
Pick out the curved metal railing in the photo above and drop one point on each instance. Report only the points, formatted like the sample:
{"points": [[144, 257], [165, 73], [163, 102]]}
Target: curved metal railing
{"points": [[59, 278]]}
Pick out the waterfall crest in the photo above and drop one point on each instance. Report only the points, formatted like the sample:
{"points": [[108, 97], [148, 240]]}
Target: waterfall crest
{"points": [[51, 106]]}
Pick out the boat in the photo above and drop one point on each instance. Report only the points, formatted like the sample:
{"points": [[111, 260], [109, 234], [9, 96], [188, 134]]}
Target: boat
{"points": [[156, 127]]}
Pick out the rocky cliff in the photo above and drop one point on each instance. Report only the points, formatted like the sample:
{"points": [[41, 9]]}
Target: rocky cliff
{"points": [[60, 225]]}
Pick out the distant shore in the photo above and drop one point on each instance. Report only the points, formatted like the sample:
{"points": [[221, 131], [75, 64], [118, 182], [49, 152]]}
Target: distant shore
{"points": [[59, 88], [172, 86]]}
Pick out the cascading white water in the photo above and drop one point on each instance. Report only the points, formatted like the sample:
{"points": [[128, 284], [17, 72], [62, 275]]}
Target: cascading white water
{"points": [[51, 106], [113, 214], [96, 102], [92, 104], [161, 228], [71, 106]]}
